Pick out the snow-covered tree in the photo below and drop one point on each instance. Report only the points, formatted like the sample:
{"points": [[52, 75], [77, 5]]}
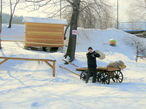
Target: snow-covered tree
{"points": [[12, 4], [137, 10]]}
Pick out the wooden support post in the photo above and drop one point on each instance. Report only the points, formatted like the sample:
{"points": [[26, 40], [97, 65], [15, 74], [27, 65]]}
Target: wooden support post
{"points": [[26, 59], [53, 68], [3, 61], [48, 64]]}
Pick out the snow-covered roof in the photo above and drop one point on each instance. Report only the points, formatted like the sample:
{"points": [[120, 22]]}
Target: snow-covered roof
{"points": [[44, 20]]}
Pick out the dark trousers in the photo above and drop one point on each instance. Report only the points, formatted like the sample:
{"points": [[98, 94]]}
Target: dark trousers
{"points": [[91, 72]]}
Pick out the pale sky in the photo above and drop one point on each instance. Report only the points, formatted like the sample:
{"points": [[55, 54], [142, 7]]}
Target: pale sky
{"points": [[123, 7]]}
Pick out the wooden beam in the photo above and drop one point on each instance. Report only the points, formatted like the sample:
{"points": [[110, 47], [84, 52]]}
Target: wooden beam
{"points": [[44, 33], [44, 39], [69, 62], [52, 66], [69, 70], [43, 24], [48, 64], [43, 44], [54, 69], [26, 59], [12, 41], [3, 61], [47, 29]]}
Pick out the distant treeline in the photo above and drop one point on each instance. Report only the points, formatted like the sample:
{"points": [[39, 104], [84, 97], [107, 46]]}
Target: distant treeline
{"points": [[16, 19]]}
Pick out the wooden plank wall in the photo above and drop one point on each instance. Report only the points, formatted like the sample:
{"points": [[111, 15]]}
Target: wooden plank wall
{"points": [[44, 35]]}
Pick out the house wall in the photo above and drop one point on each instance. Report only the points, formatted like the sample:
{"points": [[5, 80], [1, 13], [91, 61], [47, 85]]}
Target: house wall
{"points": [[44, 35]]}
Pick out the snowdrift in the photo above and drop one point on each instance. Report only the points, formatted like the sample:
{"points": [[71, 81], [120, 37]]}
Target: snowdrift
{"points": [[29, 85]]}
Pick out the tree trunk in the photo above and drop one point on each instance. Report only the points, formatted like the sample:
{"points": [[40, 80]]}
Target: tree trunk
{"points": [[10, 21], [73, 26], [66, 31]]}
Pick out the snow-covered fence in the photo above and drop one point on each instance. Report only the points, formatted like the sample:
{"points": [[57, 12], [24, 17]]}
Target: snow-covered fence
{"points": [[138, 45], [139, 52], [132, 26]]}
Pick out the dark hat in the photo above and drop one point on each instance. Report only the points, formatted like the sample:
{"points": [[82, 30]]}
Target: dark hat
{"points": [[90, 48]]}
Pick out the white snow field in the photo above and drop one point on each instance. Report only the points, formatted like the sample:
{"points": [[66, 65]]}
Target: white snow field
{"points": [[30, 85]]}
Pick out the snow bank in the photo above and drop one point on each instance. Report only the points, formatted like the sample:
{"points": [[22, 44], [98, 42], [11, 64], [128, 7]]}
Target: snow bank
{"points": [[26, 84], [44, 20], [16, 32], [29, 85], [99, 39]]}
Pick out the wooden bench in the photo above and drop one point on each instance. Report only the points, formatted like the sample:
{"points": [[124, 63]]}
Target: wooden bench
{"points": [[31, 59]]}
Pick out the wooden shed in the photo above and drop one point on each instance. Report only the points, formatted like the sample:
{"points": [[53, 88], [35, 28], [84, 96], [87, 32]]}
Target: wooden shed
{"points": [[43, 32]]}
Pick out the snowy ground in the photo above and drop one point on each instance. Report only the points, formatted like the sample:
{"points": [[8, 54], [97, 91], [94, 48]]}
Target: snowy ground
{"points": [[29, 85]]}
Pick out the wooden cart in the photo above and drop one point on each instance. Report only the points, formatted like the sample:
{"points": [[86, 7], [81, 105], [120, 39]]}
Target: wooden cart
{"points": [[105, 74]]}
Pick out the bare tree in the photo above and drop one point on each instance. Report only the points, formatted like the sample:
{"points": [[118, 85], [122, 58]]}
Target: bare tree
{"points": [[78, 11], [137, 10], [73, 27], [13, 6], [93, 14]]}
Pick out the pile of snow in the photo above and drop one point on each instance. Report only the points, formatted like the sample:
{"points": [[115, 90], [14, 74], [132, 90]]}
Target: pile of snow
{"points": [[17, 32], [44, 20], [99, 39], [30, 85]]}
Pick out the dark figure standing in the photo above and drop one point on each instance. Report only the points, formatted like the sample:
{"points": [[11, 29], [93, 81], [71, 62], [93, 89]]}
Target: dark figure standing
{"points": [[91, 60]]}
